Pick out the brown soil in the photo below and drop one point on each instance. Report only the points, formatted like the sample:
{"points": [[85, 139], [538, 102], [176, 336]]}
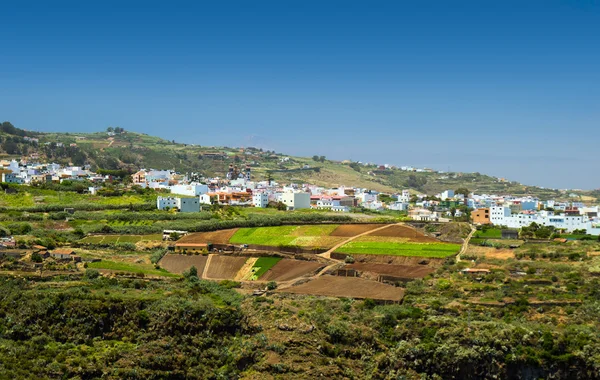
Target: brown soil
{"points": [[179, 263], [352, 287], [349, 230], [404, 271], [404, 232], [491, 253], [398, 260], [225, 267], [288, 269], [215, 237]]}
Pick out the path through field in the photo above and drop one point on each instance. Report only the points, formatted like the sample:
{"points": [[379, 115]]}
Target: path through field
{"points": [[465, 245]]}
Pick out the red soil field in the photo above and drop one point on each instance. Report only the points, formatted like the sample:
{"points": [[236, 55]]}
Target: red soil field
{"points": [[404, 271], [349, 230], [224, 267], [179, 263], [404, 232], [351, 287], [288, 269], [215, 237]]}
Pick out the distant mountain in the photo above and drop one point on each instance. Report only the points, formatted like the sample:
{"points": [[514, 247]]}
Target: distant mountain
{"points": [[131, 151]]}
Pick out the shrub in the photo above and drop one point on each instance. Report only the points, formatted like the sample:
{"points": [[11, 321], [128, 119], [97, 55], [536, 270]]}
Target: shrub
{"points": [[271, 285], [91, 274]]}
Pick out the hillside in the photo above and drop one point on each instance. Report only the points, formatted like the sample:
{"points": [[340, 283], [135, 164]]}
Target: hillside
{"points": [[131, 151]]}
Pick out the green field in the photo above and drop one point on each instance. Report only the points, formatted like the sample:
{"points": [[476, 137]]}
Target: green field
{"points": [[491, 233], [108, 239], [146, 269], [306, 236], [434, 250], [262, 265]]}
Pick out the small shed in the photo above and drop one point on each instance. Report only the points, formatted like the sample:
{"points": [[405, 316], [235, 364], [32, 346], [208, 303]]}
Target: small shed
{"points": [[510, 234]]}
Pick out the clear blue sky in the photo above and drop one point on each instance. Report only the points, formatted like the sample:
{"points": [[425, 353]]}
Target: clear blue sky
{"points": [[508, 88]]}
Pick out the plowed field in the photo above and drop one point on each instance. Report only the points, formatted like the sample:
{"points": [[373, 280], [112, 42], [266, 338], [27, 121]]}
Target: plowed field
{"points": [[404, 271], [349, 230], [215, 237], [351, 287], [288, 269], [404, 232], [180, 263], [224, 267]]}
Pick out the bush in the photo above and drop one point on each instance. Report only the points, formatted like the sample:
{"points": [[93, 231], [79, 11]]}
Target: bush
{"points": [[91, 274], [349, 260], [271, 285]]}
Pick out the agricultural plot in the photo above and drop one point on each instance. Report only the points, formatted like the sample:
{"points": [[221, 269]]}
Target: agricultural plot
{"points": [[398, 248], [303, 236], [111, 239], [215, 237], [351, 287], [349, 230], [288, 269], [117, 266], [403, 271], [396, 231], [262, 265], [490, 233], [180, 263], [224, 267]]}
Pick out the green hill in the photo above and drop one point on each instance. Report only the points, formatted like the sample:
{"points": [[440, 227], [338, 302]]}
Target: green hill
{"points": [[131, 151]]}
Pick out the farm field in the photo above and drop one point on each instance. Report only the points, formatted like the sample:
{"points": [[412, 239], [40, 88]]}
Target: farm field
{"points": [[262, 265], [224, 267], [398, 248], [404, 271], [351, 287], [115, 266], [491, 253], [179, 263], [404, 232], [288, 269], [490, 233], [107, 239], [215, 237], [303, 236], [349, 230]]}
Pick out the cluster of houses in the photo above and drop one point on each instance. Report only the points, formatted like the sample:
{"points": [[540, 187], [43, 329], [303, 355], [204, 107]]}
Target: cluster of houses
{"points": [[27, 172]]}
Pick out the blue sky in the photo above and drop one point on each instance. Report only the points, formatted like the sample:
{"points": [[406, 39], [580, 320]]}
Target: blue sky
{"points": [[507, 88]]}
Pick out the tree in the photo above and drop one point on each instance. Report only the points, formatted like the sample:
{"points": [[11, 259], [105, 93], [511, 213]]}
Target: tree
{"points": [[462, 190], [191, 274], [110, 129], [11, 147], [271, 285], [315, 158], [322, 158], [36, 257]]}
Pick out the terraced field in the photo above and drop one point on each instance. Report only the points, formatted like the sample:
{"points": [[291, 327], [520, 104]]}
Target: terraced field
{"points": [[303, 236], [369, 245]]}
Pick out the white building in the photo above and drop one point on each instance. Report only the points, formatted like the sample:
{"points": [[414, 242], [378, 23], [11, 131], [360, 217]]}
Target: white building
{"points": [[502, 216], [398, 206], [205, 199], [295, 201], [193, 190], [404, 197], [181, 204], [447, 194], [260, 200]]}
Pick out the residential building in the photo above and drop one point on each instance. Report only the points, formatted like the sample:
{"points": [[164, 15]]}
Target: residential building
{"points": [[11, 178], [296, 200], [192, 190], [260, 200], [181, 204], [481, 216]]}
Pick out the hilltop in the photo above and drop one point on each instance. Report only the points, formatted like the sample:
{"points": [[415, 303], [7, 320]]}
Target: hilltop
{"points": [[126, 150]]}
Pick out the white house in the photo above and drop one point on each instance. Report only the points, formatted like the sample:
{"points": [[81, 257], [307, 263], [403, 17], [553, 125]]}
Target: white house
{"points": [[205, 199], [260, 200], [296, 200], [193, 190], [181, 204]]}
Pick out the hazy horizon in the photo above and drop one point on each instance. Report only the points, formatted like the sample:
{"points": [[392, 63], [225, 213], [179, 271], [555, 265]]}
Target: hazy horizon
{"points": [[507, 89]]}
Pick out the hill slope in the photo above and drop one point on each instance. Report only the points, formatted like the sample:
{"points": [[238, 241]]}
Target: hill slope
{"points": [[131, 151]]}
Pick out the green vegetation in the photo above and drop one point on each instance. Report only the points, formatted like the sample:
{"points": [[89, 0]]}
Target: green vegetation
{"points": [[433, 250], [262, 265], [490, 233], [304, 236], [111, 239], [145, 269]]}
